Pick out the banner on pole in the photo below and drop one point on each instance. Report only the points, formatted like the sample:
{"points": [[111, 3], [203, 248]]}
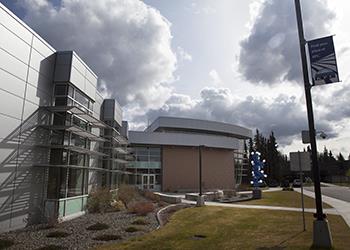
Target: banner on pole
{"points": [[323, 62]]}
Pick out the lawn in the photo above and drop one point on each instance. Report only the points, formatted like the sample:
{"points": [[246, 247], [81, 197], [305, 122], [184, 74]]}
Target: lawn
{"points": [[235, 228], [284, 199]]}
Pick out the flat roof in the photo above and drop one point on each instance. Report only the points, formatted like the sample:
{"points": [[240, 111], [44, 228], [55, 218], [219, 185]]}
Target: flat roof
{"points": [[189, 125]]}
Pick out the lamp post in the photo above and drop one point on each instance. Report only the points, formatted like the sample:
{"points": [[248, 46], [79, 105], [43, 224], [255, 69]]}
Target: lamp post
{"points": [[200, 199], [321, 232]]}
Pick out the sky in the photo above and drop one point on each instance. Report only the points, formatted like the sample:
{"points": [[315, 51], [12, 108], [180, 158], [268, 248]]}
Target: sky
{"points": [[234, 61]]}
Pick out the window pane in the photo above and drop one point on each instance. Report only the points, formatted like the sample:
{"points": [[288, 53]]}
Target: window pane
{"points": [[61, 90], [61, 101], [75, 182], [56, 187]]}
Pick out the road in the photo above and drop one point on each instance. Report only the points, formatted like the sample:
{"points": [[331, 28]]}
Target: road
{"points": [[337, 192]]}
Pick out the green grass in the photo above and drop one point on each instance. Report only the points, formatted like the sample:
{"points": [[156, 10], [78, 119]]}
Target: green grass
{"points": [[283, 199], [235, 228]]}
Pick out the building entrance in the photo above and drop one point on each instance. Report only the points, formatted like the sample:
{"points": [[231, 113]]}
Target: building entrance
{"points": [[148, 181]]}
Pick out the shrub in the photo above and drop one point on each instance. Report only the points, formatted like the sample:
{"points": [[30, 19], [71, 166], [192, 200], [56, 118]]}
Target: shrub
{"points": [[140, 221], [97, 226], [6, 243], [127, 193], [108, 237], [99, 201], [57, 234], [151, 196], [132, 229], [287, 189], [141, 207]]}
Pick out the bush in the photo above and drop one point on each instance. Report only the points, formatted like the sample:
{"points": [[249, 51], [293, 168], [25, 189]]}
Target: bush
{"points": [[287, 189], [151, 196], [141, 207], [97, 226], [6, 243], [140, 221], [127, 193], [99, 201], [132, 229], [57, 234], [108, 237]]}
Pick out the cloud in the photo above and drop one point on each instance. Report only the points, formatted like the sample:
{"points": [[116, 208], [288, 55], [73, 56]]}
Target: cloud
{"points": [[216, 79], [284, 115], [183, 55], [270, 53], [126, 42]]}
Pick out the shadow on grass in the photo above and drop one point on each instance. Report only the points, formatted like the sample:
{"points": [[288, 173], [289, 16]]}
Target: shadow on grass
{"points": [[279, 246]]}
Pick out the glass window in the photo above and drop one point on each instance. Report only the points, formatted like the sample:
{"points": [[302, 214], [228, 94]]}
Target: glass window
{"points": [[61, 90], [77, 159], [79, 97], [79, 122], [61, 101], [56, 187], [59, 119], [75, 182]]}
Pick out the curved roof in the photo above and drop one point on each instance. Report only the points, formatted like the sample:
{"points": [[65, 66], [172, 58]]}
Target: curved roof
{"points": [[197, 126]]}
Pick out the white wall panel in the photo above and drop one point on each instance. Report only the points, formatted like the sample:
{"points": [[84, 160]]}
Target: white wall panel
{"points": [[10, 105], [37, 96], [8, 125], [12, 24], [12, 65], [40, 81], [76, 63], [14, 45], [11, 83], [29, 110], [91, 78], [42, 48], [90, 90], [77, 79]]}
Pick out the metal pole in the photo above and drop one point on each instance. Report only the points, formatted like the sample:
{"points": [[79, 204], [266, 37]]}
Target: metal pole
{"points": [[307, 86], [200, 170], [302, 191]]}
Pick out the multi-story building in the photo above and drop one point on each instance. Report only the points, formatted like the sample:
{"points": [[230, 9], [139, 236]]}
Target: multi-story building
{"points": [[58, 137]]}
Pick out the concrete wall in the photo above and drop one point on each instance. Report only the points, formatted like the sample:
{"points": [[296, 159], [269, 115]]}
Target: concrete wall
{"points": [[26, 69], [180, 168]]}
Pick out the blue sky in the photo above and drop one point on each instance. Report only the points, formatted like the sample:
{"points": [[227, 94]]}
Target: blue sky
{"points": [[231, 61]]}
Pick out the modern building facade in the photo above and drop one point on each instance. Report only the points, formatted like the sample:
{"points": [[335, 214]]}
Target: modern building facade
{"points": [[58, 138], [167, 154]]}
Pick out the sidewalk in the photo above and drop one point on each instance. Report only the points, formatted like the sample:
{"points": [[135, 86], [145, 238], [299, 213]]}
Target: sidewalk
{"points": [[308, 210], [342, 207]]}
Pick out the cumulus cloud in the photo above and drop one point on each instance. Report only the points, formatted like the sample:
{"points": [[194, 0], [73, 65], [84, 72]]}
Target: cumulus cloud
{"points": [[126, 42], [270, 53], [284, 115]]}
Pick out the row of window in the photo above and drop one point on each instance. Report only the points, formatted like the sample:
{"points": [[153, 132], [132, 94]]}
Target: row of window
{"points": [[66, 95]]}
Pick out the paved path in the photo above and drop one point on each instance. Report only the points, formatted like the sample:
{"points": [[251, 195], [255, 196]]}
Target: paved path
{"points": [[337, 192], [295, 209], [341, 206]]}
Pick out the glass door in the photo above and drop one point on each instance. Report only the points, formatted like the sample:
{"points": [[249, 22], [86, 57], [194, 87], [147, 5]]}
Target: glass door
{"points": [[148, 181]]}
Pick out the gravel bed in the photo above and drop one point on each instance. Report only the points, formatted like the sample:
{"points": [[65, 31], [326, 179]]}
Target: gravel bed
{"points": [[34, 237]]}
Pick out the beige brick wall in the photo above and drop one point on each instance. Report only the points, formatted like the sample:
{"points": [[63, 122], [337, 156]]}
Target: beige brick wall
{"points": [[181, 170]]}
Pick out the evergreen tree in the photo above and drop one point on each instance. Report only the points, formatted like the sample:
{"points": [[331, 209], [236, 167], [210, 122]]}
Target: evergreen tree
{"points": [[340, 157]]}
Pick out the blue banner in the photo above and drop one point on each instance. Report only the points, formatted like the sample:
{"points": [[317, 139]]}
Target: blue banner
{"points": [[323, 62]]}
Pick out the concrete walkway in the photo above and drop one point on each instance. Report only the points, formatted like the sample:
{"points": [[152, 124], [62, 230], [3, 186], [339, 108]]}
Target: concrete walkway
{"points": [[342, 207], [294, 209]]}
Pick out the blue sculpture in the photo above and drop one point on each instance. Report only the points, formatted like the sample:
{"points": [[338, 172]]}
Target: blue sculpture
{"points": [[257, 169]]}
